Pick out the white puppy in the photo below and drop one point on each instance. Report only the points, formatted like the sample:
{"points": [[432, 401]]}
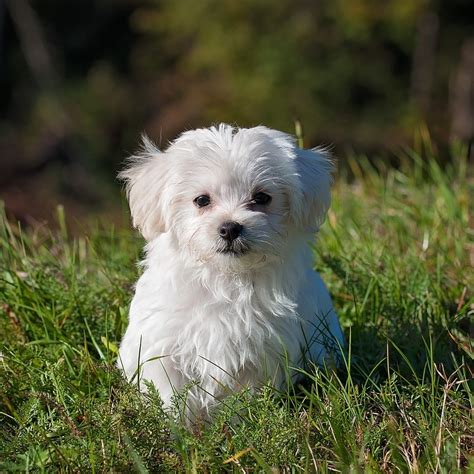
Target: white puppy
{"points": [[228, 298]]}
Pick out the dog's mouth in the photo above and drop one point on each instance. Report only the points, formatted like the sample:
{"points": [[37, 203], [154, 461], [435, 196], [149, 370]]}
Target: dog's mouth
{"points": [[232, 252], [235, 249]]}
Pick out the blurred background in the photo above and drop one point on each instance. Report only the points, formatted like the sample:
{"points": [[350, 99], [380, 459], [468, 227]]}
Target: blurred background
{"points": [[81, 79]]}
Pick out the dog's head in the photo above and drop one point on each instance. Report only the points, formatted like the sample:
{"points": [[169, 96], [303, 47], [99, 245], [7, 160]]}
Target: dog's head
{"points": [[229, 193]]}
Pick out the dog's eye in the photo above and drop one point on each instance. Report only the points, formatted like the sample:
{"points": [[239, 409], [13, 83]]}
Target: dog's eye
{"points": [[202, 201], [261, 199]]}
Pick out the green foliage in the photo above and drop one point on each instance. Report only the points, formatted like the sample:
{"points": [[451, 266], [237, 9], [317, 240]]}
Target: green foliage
{"points": [[395, 255], [263, 61], [348, 69]]}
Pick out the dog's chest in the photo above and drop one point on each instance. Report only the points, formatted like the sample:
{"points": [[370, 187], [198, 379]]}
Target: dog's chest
{"points": [[220, 326], [230, 337]]}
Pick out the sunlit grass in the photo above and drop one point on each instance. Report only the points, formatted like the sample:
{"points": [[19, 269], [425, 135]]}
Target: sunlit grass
{"points": [[396, 253]]}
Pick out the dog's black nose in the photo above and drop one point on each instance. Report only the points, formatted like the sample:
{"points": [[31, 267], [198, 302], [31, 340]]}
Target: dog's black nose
{"points": [[230, 230]]}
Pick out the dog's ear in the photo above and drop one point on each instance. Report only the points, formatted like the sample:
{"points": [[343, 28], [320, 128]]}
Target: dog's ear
{"points": [[309, 181], [310, 203], [146, 179]]}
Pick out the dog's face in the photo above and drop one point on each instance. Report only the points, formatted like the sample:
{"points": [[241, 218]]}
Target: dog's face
{"points": [[233, 197]]}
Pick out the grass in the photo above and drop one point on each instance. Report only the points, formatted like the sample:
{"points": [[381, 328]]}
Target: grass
{"points": [[396, 255]]}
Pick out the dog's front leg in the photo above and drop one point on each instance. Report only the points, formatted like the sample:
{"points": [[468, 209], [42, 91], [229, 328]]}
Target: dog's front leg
{"points": [[162, 372]]}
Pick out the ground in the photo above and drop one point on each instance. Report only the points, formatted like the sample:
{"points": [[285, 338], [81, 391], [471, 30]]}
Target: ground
{"points": [[396, 255]]}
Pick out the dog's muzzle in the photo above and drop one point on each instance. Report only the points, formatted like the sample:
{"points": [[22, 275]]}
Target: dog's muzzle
{"points": [[231, 240]]}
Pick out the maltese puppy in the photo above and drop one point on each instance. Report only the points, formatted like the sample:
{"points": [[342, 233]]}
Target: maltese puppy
{"points": [[228, 298]]}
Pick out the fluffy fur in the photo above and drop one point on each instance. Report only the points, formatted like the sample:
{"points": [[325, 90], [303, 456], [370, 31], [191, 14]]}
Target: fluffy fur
{"points": [[217, 315]]}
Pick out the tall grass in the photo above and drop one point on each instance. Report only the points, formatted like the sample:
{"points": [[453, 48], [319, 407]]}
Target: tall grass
{"points": [[396, 253]]}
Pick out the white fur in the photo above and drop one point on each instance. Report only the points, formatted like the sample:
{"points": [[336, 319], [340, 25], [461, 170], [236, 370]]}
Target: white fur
{"points": [[223, 321]]}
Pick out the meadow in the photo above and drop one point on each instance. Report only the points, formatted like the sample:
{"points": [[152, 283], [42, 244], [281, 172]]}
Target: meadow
{"points": [[396, 252]]}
